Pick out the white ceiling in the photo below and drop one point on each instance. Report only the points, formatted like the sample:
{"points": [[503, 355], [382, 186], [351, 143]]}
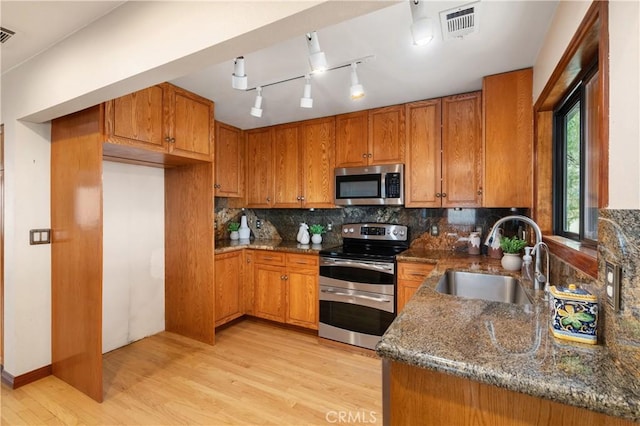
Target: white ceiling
{"points": [[510, 35], [41, 24]]}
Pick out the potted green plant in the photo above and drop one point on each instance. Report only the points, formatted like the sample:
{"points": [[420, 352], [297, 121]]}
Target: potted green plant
{"points": [[233, 229], [316, 233], [511, 247]]}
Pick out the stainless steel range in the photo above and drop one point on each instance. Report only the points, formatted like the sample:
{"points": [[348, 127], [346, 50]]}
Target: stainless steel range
{"points": [[358, 283]]}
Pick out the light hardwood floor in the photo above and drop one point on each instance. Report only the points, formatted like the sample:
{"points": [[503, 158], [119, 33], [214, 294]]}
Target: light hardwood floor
{"points": [[257, 373]]}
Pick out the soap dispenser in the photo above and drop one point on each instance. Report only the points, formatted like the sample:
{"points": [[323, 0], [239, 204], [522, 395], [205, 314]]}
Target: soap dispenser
{"points": [[526, 271]]}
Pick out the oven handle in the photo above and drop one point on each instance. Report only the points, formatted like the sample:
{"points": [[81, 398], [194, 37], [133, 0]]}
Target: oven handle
{"points": [[377, 266], [359, 296]]}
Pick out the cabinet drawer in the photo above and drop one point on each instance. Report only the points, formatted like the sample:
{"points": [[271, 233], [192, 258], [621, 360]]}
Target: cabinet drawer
{"points": [[268, 257], [414, 271], [302, 260]]}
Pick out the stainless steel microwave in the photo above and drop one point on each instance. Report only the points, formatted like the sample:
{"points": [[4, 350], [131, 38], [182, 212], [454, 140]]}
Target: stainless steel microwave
{"points": [[370, 185]]}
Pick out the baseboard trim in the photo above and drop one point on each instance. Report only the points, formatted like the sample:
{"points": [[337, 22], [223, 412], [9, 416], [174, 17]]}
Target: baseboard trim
{"points": [[26, 378]]}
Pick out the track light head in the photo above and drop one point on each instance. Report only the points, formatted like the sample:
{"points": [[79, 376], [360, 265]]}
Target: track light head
{"points": [[317, 58], [256, 110], [422, 25], [239, 78], [357, 90], [306, 101]]}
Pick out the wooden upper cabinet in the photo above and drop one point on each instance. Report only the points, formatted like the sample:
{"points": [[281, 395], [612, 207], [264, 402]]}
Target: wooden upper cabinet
{"points": [[159, 119], [423, 162], [386, 135], [229, 161], [508, 139], [352, 139], [317, 141], [462, 158], [190, 125], [259, 172], [138, 119], [286, 166], [371, 137]]}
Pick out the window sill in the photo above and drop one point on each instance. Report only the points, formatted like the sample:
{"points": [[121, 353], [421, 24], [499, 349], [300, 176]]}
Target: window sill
{"points": [[577, 255]]}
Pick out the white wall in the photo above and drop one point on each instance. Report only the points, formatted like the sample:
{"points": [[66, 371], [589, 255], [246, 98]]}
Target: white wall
{"points": [[139, 44], [133, 253], [624, 101]]}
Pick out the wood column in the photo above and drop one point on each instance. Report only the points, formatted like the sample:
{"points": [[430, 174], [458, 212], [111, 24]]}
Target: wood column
{"points": [[76, 250]]}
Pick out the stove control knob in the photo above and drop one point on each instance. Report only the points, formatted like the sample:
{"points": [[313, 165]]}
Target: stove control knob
{"points": [[395, 232], [351, 230], [345, 230], [401, 233]]}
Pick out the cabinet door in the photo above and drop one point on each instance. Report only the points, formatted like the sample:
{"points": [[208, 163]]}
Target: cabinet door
{"points": [[410, 278], [317, 138], [352, 139], [508, 139], [287, 188], [228, 287], [247, 280], [302, 298], [269, 292], [386, 135], [259, 173], [229, 158], [423, 162], [462, 150], [192, 125], [137, 119]]}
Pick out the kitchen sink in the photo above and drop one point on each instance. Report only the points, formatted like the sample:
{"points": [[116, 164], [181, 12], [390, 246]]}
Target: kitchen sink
{"points": [[470, 285]]}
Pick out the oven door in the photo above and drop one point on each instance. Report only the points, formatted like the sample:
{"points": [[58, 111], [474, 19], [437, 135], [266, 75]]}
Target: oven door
{"points": [[356, 317], [368, 276]]}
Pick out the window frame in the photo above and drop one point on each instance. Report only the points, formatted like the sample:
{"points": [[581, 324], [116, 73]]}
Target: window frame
{"points": [[576, 95]]}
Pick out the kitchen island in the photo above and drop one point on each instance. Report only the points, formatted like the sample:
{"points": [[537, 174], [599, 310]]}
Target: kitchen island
{"points": [[449, 360]]}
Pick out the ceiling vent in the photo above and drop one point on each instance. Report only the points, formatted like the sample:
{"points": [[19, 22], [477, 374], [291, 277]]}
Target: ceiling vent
{"points": [[5, 34], [460, 21]]}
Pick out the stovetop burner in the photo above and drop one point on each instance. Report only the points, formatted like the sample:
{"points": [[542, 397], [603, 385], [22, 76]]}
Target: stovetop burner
{"points": [[373, 241]]}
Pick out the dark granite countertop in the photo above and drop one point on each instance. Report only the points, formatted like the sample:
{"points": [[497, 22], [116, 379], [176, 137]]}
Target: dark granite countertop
{"points": [[506, 345], [225, 246]]}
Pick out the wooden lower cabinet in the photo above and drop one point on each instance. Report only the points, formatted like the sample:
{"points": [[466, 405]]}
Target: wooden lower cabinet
{"points": [[302, 290], [285, 288], [413, 395], [229, 303], [410, 277]]}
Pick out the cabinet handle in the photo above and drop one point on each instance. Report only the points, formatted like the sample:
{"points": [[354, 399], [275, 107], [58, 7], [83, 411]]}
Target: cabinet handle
{"points": [[167, 139], [364, 155], [173, 140], [369, 155], [302, 198], [479, 191], [248, 260], [268, 199], [298, 198], [444, 194], [286, 277], [438, 195]]}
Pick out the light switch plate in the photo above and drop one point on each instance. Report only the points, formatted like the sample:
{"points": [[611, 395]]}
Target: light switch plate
{"points": [[612, 282], [39, 236]]}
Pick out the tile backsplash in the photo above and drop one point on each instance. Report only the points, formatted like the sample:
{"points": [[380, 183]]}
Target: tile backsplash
{"points": [[451, 224], [619, 243]]}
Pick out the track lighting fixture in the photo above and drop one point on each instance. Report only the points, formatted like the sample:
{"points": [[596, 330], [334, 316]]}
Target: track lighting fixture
{"points": [[239, 78], [256, 110], [317, 59], [422, 25], [357, 91], [306, 101]]}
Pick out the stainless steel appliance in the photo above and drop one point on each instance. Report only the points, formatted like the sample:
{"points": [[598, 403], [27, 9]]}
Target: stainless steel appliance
{"points": [[371, 185], [358, 283]]}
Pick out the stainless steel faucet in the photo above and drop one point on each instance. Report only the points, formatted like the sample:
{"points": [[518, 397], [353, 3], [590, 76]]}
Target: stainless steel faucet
{"points": [[540, 278]]}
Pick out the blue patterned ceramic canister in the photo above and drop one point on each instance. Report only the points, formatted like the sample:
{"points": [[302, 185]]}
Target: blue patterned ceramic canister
{"points": [[574, 314]]}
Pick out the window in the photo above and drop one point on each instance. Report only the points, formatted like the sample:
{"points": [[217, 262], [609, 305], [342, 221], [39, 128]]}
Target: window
{"points": [[576, 159]]}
